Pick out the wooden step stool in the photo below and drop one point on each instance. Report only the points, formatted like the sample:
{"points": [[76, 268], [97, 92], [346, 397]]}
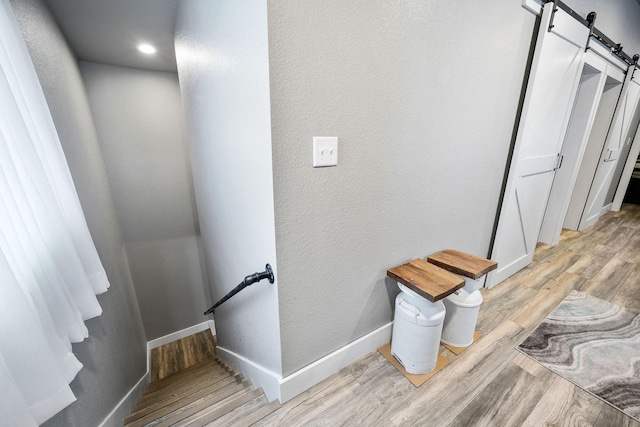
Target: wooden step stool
{"points": [[420, 313], [464, 305], [463, 264], [426, 279]]}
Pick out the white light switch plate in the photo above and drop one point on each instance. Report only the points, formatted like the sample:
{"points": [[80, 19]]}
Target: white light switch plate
{"points": [[325, 151]]}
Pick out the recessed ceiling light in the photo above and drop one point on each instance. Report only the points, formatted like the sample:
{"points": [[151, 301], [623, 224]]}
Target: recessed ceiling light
{"points": [[147, 48]]}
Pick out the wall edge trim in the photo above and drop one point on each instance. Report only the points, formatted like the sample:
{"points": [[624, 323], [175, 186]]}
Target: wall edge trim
{"points": [[123, 408], [284, 389], [312, 374], [257, 374]]}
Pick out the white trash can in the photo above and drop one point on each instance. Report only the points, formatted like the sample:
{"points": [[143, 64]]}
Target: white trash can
{"points": [[462, 308], [417, 327]]}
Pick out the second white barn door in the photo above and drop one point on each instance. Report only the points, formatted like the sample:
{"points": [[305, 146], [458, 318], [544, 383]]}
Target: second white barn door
{"points": [[551, 90], [631, 159], [595, 80], [615, 143]]}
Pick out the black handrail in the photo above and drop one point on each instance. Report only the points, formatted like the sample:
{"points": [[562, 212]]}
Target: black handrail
{"points": [[249, 280]]}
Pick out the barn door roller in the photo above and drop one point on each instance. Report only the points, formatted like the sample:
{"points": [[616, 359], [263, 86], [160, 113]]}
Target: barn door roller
{"points": [[636, 57], [589, 22], [557, 4], [591, 19]]}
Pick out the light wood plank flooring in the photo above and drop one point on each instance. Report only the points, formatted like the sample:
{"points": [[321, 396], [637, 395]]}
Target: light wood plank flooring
{"points": [[491, 384], [178, 355]]}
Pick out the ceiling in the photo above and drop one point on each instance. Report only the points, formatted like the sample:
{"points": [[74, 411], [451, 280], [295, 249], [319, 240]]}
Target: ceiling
{"points": [[108, 32]]}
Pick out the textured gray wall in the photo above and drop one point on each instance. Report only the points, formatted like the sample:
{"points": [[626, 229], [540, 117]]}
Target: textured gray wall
{"points": [[140, 123], [223, 65], [114, 355], [423, 96]]}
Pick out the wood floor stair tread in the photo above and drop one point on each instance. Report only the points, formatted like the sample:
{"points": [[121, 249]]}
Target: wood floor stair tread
{"points": [[258, 414], [199, 395], [208, 403], [181, 388], [205, 369], [185, 395], [185, 374], [183, 353], [142, 419], [209, 416], [234, 417], [213, 363]]}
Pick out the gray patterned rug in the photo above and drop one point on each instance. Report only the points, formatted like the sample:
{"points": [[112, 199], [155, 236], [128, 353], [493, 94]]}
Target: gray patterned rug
{"points": [[595, 345]]}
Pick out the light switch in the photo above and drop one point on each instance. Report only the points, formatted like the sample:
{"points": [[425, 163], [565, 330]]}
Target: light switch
{"points": [[325, 151]]}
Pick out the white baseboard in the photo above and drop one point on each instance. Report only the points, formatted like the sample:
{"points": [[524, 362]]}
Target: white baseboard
{"points": [[124, 407], [284, 389], [257, 374], [177, 336], [312, 374]]}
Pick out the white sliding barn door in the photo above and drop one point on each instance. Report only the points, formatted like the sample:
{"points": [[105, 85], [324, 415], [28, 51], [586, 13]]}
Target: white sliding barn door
{"points": [[551, 90], [630, 162], [615, 143], [602, 71], [590, 88]]}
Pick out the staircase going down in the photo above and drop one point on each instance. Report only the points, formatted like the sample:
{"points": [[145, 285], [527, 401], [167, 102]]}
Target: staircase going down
{"points": [[209, 393]]}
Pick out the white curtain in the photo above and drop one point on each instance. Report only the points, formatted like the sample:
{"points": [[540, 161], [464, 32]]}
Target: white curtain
{"points": [[50, 271]]}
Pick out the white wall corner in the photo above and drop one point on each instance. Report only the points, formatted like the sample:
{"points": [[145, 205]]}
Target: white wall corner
{"points": [[284, 389], [123, 409], [534, 6]]}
